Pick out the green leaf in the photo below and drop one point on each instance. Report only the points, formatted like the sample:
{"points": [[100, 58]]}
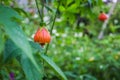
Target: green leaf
{"points": [[69, 2], [54, 66], [12, 29], [36, 47], [72, 8], [31, 72], [6, 14], [10, 51], [19, 10], [62, 9]]}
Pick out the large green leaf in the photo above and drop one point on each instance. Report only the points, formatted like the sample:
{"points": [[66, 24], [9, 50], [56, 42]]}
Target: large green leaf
{"points": [[10, 51], [54, 66], [31, 72], [12, 29]]}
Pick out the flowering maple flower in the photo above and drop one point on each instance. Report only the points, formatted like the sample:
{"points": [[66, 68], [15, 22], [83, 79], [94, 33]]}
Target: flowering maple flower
{"points": [[42, 36], [11, 76], [102, 16]]}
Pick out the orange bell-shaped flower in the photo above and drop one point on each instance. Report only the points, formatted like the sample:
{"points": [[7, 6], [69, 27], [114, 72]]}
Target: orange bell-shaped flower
{"points": [[102, 16], [42, 36]]}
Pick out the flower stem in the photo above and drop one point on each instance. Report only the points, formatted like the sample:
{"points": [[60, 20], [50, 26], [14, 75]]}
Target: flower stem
{"points": [[39, 11], [42, 2], [52, 26]]}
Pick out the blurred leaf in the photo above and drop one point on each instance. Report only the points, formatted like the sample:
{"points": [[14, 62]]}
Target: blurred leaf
{"points": [[89, 77], [7, 13], [71, 74], [21, 11], [13, 30], [73, 9], [10, 51], [53, 65], [36, 47], [70, 1], [62, 9], [49, 8], [99, 2]]}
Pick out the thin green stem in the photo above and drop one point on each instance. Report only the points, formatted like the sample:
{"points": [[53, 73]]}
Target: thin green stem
{"points": [[51, 34], [39, 10], [52, 26], [42, 2]]}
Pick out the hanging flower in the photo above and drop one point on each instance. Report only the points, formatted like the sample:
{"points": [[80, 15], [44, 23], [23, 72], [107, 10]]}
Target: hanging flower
{"points": [[42, 36], [102, 16]]}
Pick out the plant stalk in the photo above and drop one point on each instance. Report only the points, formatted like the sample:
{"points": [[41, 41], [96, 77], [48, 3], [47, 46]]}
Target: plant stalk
{"points": [[52, 26], [39, 11]]}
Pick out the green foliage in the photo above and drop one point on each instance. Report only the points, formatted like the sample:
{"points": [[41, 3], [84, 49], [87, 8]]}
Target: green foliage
{"points": [[90, 57], [18, 47], [28, 67], [74, 46]]}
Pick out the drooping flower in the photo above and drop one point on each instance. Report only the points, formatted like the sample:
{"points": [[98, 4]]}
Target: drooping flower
{"points": [[102, 16], [42, 36]]}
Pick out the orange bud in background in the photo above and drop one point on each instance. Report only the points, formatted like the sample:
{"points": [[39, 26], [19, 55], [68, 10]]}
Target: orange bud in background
{"points": [[102, 16], [42, 36]]}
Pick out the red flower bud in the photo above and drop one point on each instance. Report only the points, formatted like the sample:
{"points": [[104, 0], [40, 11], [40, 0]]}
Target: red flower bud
{"points": [[102, 16], [42, 36]]}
